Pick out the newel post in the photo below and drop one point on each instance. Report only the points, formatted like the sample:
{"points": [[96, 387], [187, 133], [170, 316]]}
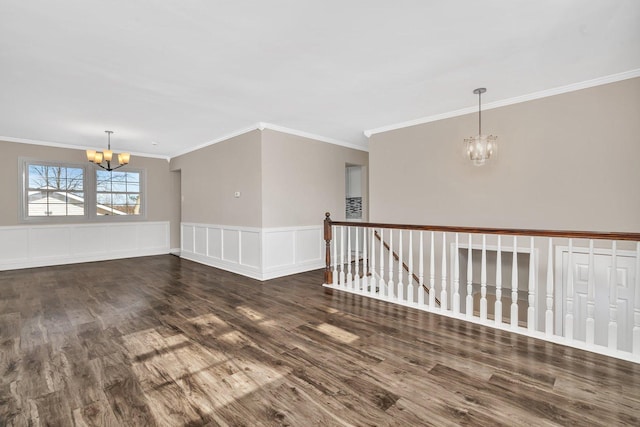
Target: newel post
{"points": [[328, 277]]}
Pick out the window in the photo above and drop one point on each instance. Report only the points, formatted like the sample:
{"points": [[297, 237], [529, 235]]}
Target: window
{"points": [[54, 190], [118, 193], [65, 192]]}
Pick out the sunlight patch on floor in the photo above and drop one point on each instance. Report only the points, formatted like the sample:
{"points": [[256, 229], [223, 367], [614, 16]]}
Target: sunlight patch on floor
{"points": [[177, 371], [235, 337], [249, 313], [211, 322], [337, 333]]}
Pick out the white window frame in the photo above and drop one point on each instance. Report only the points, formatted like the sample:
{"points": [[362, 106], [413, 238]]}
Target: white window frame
{"points": [[89, 189], [143, 194]]}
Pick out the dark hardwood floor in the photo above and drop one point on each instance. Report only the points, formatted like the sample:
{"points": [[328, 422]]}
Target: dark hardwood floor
{"points": [[164, 341]]}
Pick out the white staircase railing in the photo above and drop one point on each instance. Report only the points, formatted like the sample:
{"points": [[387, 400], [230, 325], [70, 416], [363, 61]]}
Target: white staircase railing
{"points": [[580, 289]]}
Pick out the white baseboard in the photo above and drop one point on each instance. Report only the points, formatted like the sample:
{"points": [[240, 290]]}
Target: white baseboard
{"points": [[253, 273]]}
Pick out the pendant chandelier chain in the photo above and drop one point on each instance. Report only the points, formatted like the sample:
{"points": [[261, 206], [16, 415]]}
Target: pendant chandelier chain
{"points": [[108, 132], [479, 113]]}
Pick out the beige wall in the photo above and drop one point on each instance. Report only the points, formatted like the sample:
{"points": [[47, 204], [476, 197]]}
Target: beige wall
{"points": [[303, 178], [159, 181], [211, 175], [569, 161]]}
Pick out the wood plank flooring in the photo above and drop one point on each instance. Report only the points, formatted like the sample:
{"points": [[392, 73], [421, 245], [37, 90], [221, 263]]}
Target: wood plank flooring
{"points": [[168, 342]]}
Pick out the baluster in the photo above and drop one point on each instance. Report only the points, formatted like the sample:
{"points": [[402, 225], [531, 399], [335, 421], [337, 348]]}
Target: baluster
{"points": [[372, 264], [365, 261], [342, 275], [382, 290], [498, 306], [443, 293], [591, 303], [531, 311], [421, 273], [400, 292], [456, 278], [335, 256], [410, 275], [469, 300], [568, 322], [636, 307], [390, 288], [514, 284], [349, 282], [548, 318], [432, 275], [483, 279], [327, 229], [613, 299], [356, 274]]}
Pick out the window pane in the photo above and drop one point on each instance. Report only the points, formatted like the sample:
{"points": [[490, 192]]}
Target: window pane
{"points": [[37, 209], [55, 174], [76, 209], [61, 190], [119, 199], [103, 181], [118, 193], [118, 186], [121, 210], [133, 177], [37, 176], [103, 199], [75, 179]]}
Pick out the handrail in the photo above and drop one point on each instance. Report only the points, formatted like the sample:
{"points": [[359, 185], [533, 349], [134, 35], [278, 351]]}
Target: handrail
{"points": [[552, 309], [501, 231]]}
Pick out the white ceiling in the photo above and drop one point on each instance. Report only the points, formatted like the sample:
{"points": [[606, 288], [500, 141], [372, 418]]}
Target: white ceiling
{"points": [[183, 73]]}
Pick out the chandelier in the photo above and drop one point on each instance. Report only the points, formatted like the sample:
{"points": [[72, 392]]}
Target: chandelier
{"points": [[481, 147], [98, 157]]}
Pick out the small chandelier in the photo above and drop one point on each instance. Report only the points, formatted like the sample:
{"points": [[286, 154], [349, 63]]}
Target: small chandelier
{"points": [[481, 147], [98, 157]]}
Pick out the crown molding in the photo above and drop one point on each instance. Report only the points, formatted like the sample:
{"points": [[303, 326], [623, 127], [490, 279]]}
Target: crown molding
{"points": [[215, 141], [263, 125], [510, 101], [74, 147]]}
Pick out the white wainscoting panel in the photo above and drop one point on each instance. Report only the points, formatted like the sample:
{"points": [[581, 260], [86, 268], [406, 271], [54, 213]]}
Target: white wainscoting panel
{"points": [[214, 237], [307, 247], [14, 244], [186, 238], [259, 253], [83, 241], [279, 248], [27, 246], [291, 250], [250, 244], [230, 248], [48, 242], [200, 241], [231, 245]]}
